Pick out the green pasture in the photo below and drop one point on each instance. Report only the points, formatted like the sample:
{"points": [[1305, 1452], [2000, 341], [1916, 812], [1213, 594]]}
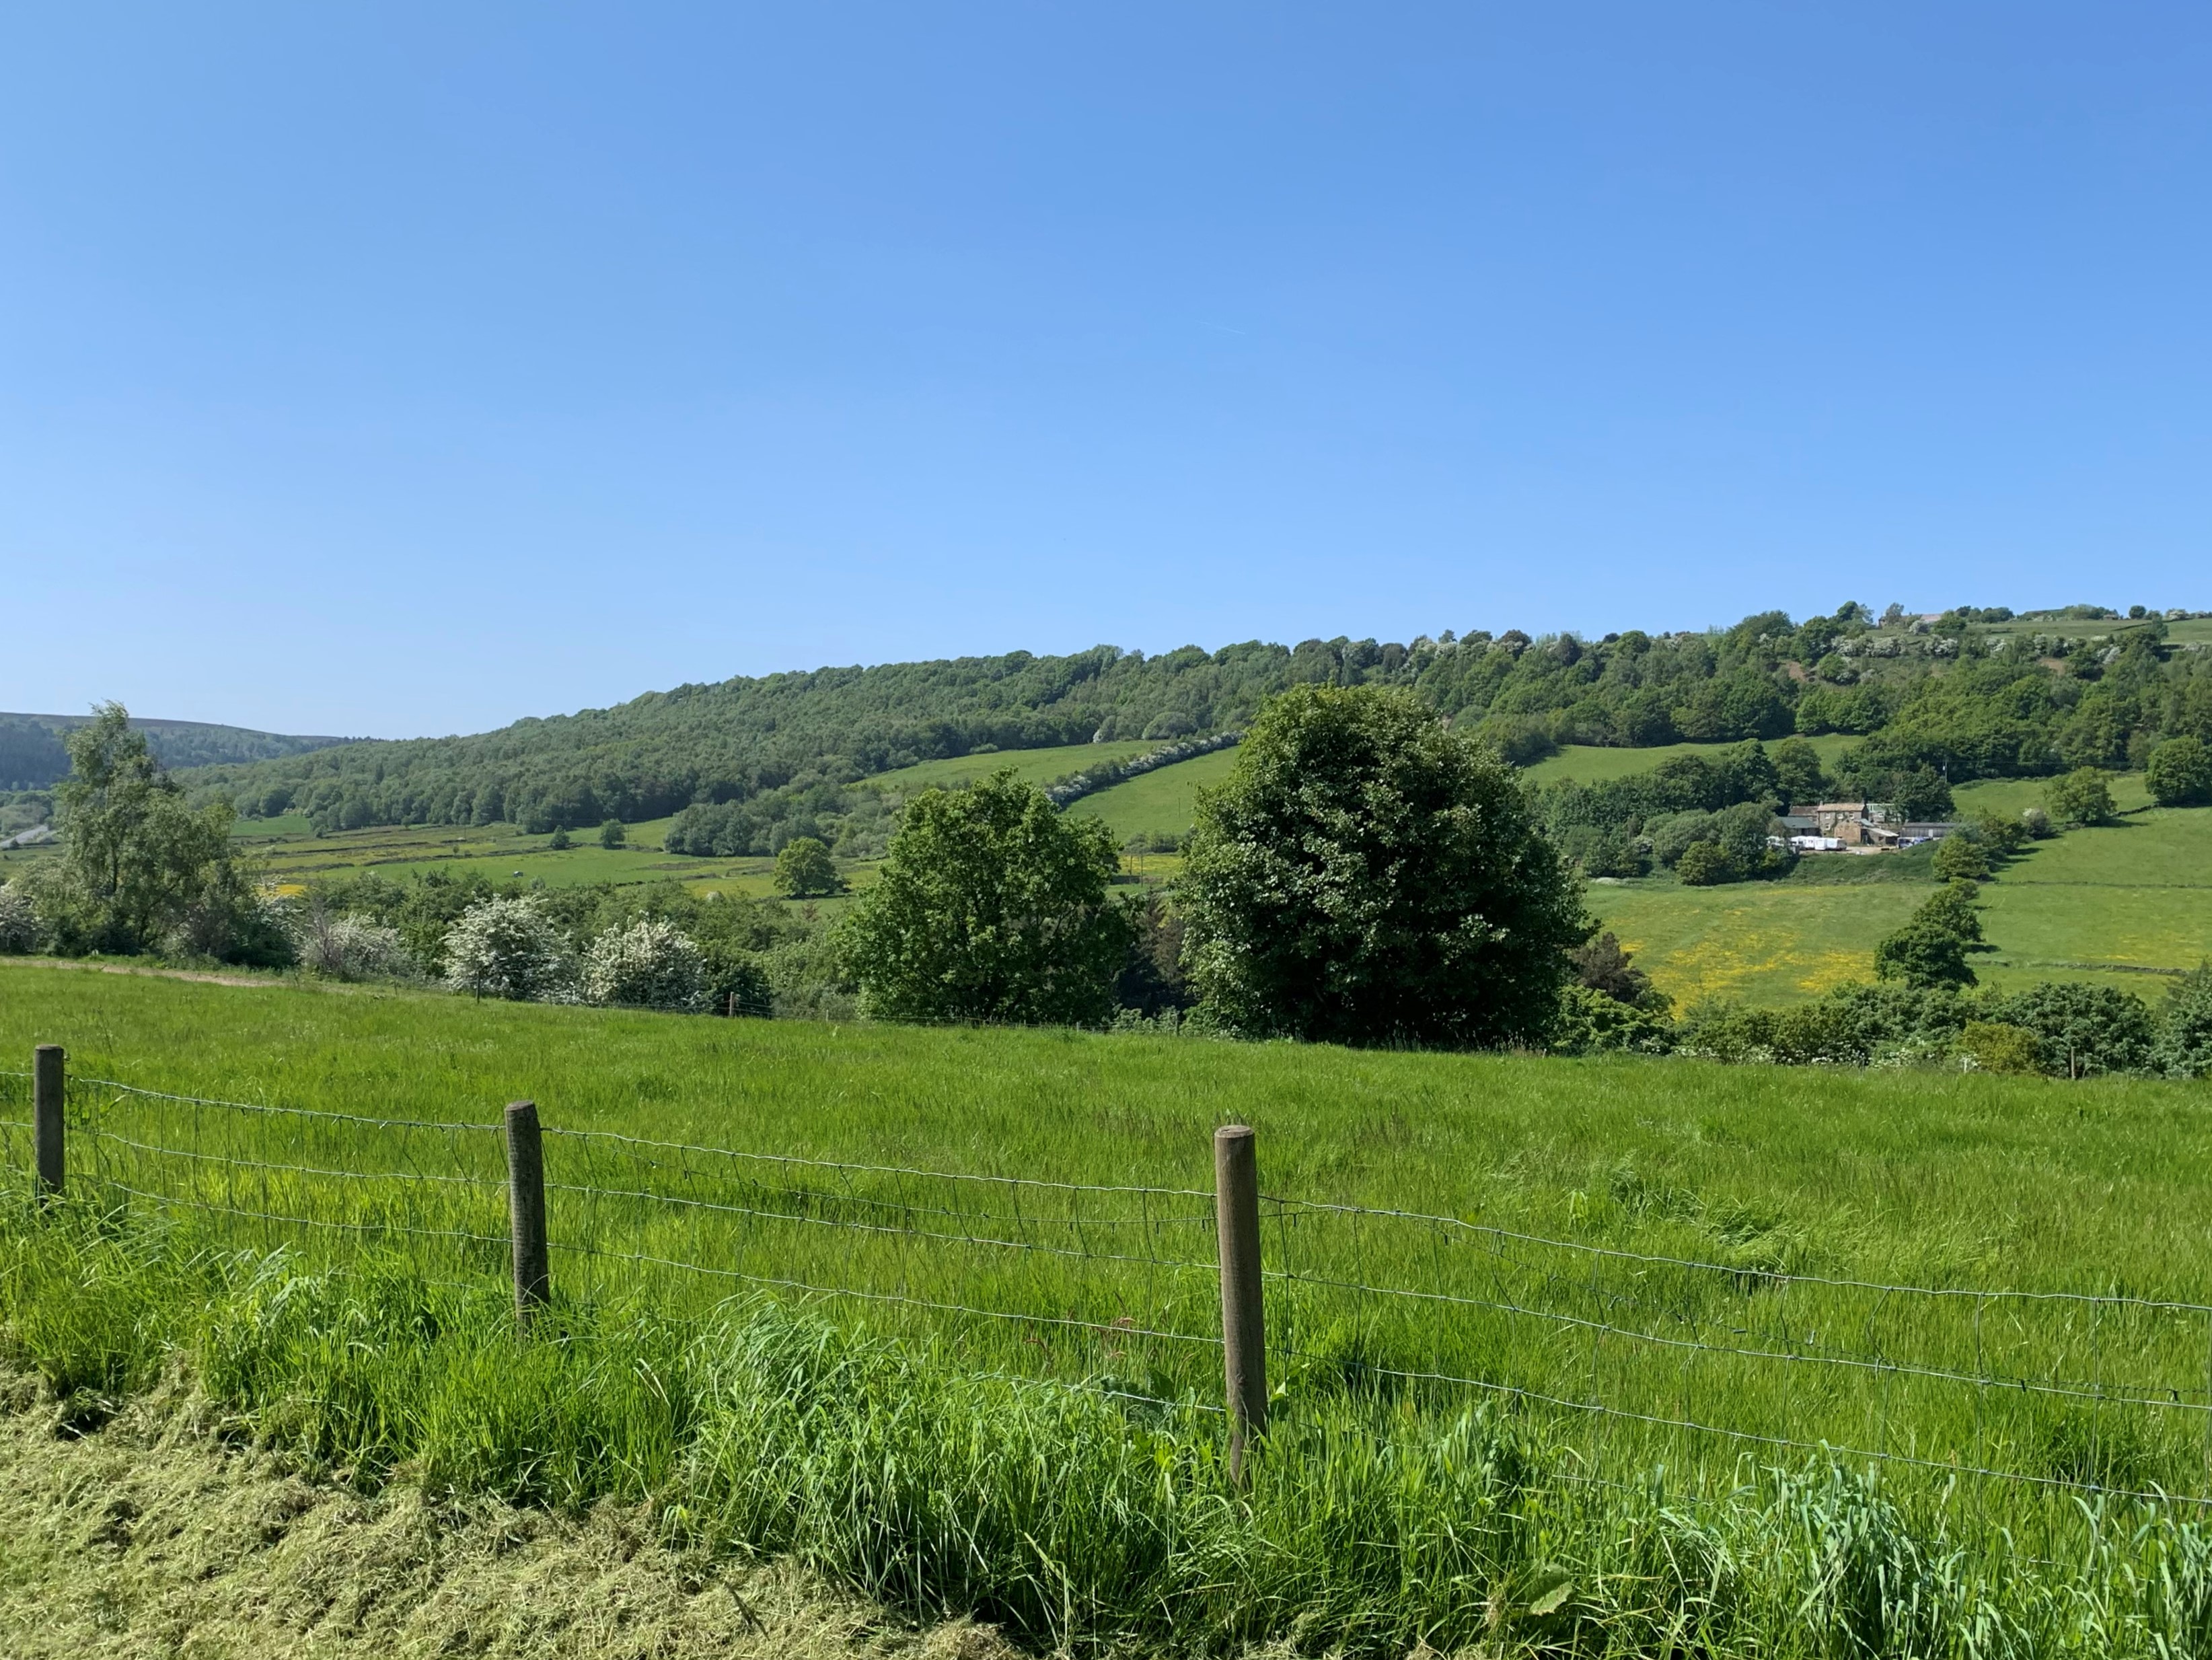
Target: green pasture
{"points": [[1595, 764], [293, 859], [1031, 766], [1994, 1185], [1162, 802]]}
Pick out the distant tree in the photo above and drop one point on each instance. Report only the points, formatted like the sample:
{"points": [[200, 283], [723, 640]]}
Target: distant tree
{"points": [[612, 834], [1151, 978], [1930, 951], [1995, 1046], [990, 905], [2180, 773], [559, 841], [2183, 1046], [504, 947], [2037, 822], [1367, 875], [2079, 1029], [1798, 772], [1923, 956], [1603, 965], [2000, 836], [20, 930], [2081, 797], [804, 869], [1959, 859], [650, 965], [141, 870], [1707, 864]]}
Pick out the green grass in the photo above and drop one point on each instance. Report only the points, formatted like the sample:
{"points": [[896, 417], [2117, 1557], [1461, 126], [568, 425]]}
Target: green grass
{"points": [[1382, 1511], [292, 857], [2127, 904], [1031, 766], [1161, 802], [1593, 764]]}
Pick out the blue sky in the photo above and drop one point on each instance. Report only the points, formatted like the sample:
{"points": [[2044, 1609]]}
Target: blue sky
{"points": [[409, 369]]}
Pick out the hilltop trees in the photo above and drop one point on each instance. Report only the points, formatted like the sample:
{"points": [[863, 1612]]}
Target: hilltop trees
{"points": [[1366, 875], [991, 906]]}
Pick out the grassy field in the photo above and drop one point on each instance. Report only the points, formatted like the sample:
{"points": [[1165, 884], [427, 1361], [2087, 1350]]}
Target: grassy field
{"points": [[1164, 802], [2126, 904], [1816, 1201], [1031, 766], [292, 856]]}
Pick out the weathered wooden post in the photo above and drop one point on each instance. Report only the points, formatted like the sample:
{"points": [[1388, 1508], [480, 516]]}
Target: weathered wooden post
{"points": [[526, 1208], [49, 1085], [1243, 1333]]}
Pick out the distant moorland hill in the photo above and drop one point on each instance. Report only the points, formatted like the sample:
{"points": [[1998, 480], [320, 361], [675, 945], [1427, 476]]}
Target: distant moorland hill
{"points": [[31, 757], [1972, 693]]}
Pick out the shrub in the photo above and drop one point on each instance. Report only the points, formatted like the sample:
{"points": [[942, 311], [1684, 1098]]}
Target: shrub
{"points": [[2183, 1046], [2083, 796], [612, 834], [506, 948], [1958, 859], [2037, 822], [2079, 1029], [348, 947], [561, 842], [2180, 773], [19, 919], [1995, 1046], [1706, 864], [1591, 1022], [2000, 837], [650, 965]]}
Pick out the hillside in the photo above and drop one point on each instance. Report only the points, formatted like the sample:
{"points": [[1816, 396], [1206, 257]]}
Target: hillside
{"points": [[1969, 694], [31, 757]]}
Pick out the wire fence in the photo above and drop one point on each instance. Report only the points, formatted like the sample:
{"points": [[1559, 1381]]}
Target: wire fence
{"points": [[1634, 1358]]}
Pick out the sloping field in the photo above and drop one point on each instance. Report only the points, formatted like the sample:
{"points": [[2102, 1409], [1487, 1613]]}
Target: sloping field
{"points": [[1161, 803], [1031, 766], [2128, 904]]}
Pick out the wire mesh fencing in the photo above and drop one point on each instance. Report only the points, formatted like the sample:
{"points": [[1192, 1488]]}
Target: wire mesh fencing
{"points": [[1632, 1361]]}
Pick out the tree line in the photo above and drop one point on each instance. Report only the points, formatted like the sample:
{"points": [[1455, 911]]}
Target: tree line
{"points": [[1954, 698]]}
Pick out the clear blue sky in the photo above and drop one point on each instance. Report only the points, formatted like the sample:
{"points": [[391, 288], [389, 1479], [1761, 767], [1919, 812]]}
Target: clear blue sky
{"points": [[396, 368]]}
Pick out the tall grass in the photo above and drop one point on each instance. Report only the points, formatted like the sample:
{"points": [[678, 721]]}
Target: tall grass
{"points": [[1440, 1467], [1373, 1522]]}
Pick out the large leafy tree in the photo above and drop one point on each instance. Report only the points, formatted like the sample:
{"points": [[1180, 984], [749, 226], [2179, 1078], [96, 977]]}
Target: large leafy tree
{"points": [[141, 870], [1366, 875], [991, 905]]}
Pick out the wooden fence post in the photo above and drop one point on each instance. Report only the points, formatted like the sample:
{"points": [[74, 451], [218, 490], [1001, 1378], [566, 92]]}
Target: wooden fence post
{"points": [[48, 1088], [1243, 1334], [526, 1207]]}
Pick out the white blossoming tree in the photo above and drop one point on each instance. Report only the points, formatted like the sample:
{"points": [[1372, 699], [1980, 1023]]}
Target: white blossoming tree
{"points": [[19, 919], [648, 965], [507, 948]]}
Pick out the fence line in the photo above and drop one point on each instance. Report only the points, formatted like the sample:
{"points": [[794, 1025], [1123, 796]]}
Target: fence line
{"points": [[1738, 1282]]}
